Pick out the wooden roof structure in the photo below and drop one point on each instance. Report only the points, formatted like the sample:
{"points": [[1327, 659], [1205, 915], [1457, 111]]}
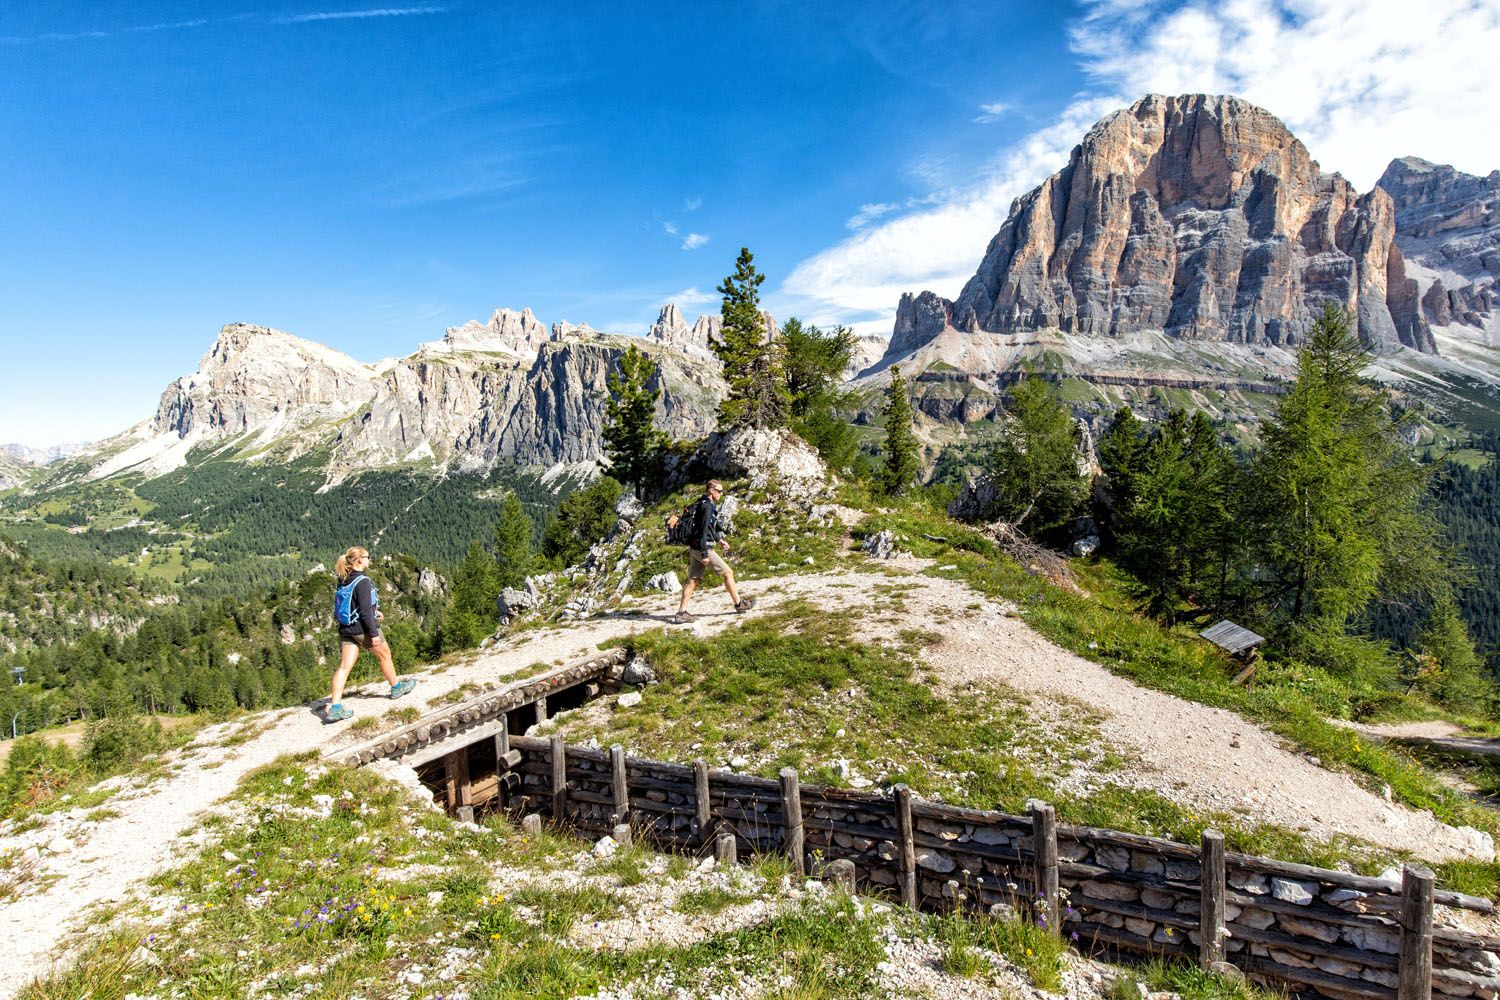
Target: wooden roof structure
{"points": [[1234, 639]]}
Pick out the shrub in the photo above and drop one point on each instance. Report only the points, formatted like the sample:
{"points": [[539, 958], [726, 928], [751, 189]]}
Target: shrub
{"points": [[119, 741], [35, 771]]}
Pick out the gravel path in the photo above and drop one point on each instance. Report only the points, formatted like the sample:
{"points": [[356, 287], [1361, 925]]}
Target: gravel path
{"points": [[1212, 758]]}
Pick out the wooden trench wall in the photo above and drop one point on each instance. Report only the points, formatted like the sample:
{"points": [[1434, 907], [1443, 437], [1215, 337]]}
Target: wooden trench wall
{"points": [[1309, 929]]}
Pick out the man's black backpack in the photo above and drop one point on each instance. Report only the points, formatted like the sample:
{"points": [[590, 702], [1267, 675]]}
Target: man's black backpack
{"points": [[683, 529]]}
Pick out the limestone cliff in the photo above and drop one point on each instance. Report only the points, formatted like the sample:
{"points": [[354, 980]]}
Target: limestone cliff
{"points": [[1202, 217], [1448, 225]]}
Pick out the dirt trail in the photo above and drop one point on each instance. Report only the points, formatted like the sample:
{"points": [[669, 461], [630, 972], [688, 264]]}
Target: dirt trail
{"points": [[1201, 757], [1435, 733]]}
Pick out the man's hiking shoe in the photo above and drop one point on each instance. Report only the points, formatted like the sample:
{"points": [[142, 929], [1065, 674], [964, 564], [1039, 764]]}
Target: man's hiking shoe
{"points": [[683, 617], [337, 713], [745, 605], [401, 687]]}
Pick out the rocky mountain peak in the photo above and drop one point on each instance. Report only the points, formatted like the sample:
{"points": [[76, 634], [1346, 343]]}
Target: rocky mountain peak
{"points": [[1199, 216], [507, 331], [1448, 229], [671, 329]]}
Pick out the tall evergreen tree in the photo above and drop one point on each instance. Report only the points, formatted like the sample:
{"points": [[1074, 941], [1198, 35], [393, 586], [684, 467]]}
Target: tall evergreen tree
{"points": [[1341, 498], [815, 361], [903, 460], [1033, 467], [515, 554], [631, 441], [753, 364]]}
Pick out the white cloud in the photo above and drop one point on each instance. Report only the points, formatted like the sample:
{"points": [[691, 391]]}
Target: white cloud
{"points": [[990, 112], [689, 297], [693, 241], [869, 213], [670, 228], [344, 15], [1359, 81], [692, 204]]}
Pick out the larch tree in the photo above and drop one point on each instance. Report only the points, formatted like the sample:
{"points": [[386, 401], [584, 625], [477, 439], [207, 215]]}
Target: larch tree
{"points": [[753, 363]]}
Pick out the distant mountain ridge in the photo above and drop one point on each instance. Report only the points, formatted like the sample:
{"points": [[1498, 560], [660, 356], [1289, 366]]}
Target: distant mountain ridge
{"points": [[508, 390], [1200, 217]]}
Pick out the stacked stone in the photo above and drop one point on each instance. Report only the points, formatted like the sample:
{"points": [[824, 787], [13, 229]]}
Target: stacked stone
{"points": [[750, 809], [972, 859], [854, 826], [1134, 894], [663, 804]]}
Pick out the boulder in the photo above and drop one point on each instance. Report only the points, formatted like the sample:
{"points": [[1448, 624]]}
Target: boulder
{"points": [[629, 509], [666, 582], [512, 603], [638, 672], [881, 545], [768, 458], [428, 582]]}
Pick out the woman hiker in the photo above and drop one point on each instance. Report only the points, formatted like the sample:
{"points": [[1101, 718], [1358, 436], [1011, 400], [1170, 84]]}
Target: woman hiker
{"points": [[357, 610]]}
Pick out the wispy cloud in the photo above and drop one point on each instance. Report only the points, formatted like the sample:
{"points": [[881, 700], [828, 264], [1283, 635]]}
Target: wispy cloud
{"points": [[344, 15], [670, 228], [693, 241], [692, 204], [869, 213], [689, 297], [991, 112], [199, 22], [1359, 81]]}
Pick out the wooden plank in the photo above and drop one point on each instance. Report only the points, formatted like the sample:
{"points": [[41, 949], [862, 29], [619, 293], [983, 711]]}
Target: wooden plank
{"points": [[502, 736], [465, 787], [791, 809], [906, 877], [539, 710], [701, 803], [619, 780], [1211, 899], [1044, 844], [448, 744], [1415, 970], [559, 779], [1297, 943], [1312, 977], [450, 782]]}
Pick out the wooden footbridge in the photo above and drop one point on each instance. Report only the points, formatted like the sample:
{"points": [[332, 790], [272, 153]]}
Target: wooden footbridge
{"points": [[464, 751]]}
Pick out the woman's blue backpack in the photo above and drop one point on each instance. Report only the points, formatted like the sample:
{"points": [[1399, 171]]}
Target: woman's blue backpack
{"points": [[345, 610]]}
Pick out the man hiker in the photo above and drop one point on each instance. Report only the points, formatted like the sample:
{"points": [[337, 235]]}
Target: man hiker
{"points": [[701, 554]]}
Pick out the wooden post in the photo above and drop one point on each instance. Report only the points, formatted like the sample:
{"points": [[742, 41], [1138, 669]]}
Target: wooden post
{"points": [[1044, 842], [907, 846], [450, 781], [726, 852], [701, 803], [619, 778], [1415, 969], [1211, 898], [559, 779], [540, 705], [791, 813], [502, 738], [531, 824]]}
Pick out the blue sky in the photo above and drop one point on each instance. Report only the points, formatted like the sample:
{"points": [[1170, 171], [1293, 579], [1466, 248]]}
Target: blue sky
{"points": [[364, 176]]}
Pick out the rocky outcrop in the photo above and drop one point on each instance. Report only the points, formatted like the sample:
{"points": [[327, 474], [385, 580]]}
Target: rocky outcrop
{"points": [[508, 331], [671, 330], [255, 379], [1448, 225], [1200, 216], [776, 459]]}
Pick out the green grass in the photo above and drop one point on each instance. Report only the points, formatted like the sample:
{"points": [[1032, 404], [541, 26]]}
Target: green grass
{"points": [[1035, 951], [1291, 699]]}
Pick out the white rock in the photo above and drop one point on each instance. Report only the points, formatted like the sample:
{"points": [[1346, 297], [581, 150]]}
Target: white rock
{"points": [[738, 762], [666, 582], [605, 847], [629, 699], [1289, 891], [59, 845]]}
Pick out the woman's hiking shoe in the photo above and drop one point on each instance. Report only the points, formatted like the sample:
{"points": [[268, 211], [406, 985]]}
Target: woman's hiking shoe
{"points": [[337, 713], [683, 617], [402, 687], [745, 605]]}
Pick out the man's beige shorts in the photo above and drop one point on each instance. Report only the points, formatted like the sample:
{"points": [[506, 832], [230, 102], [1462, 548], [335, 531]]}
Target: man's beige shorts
{"points": [[701, 562]]}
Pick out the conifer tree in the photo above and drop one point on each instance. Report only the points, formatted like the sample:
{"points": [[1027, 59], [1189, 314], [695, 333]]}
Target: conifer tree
{"points": [[752, 360], [1033, 467], [1342, 520], [514, 553], [903, 462], [815, 361], [631, 441]]}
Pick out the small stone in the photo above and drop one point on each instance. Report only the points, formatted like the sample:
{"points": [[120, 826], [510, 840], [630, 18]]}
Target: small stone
{"points": [[227, 856], [605, 847], [739, 763], [629, 699], [808, 561], [61, 845], [1286, 890], [935, 862], [638, 672]]}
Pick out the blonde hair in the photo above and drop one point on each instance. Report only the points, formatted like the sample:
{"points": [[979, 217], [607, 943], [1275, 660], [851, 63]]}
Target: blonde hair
{"points": [[341, 567], [714, 484]]}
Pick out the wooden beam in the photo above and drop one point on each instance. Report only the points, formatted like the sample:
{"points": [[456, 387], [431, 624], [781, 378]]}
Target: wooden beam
{"points": [[1415, 970], [791, 812], [539, 707], [619, 785], [906, 847], [450, 744], [1211, 898], [701, 803], [559, 779], [1044, 843]]}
